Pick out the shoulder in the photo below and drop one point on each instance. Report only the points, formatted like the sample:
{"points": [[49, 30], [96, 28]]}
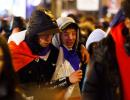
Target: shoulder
{"points": [[17, 37]]}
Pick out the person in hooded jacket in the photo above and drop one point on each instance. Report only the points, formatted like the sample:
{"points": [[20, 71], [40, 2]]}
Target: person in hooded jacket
{"points": [[110, 68], [69, 60], [34, 56]]}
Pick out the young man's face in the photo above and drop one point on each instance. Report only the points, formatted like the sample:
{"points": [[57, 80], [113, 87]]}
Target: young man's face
{"points": [[45, 39], [68, 37]]}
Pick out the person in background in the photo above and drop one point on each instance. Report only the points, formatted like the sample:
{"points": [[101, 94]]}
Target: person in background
{"points": [[5, 29], [8, 86], [18, 24], [34, 56], [87, 25], [91, 44], [108, 79]]}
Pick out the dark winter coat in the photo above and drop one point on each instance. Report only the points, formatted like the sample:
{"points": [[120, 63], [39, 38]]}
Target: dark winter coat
{"points": [[104, 81]]}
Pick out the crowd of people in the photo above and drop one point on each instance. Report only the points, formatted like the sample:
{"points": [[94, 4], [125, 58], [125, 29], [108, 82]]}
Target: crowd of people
{"points": [[46, 58]]}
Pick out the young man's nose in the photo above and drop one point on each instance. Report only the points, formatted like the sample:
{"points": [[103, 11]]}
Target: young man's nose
{"points": [[70, 36]]}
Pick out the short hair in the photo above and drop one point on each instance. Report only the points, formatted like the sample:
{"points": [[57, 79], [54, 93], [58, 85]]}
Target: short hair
{"points": [[19, 22]]}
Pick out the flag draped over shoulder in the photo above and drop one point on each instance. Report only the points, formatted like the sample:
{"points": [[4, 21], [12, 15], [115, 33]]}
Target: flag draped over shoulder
{"points": [[122, 58], [21, 55]]}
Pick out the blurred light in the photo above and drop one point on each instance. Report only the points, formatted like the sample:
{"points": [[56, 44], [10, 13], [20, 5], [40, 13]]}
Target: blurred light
{"points": [[19, 8], [5, 7], [114, 6], [70, 0], [12, 7], [34, 2], [64, 14], [67, 12], [48, 1], [88, 5]]}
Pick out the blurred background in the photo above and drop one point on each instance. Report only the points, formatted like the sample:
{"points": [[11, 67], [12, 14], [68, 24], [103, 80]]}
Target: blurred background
{"points": [[89, 14], [97, 8]]}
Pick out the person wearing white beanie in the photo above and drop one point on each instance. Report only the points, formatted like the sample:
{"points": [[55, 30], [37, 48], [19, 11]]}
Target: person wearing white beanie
{"points": [[110, 68]]}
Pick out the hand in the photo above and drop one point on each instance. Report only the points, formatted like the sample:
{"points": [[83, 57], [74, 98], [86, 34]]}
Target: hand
{"points": [[84, 54], [76, 76]]}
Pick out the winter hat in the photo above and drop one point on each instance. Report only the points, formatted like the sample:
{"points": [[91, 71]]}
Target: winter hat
{"points": [[42, 20], [64, 22], [95, 36]]}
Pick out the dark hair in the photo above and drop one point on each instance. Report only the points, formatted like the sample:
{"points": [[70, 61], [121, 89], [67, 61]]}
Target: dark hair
{"points": [[72, 25], [32, 42], [74, 17], [19, 22], [5, 28], [7, 76], [5, 25]]}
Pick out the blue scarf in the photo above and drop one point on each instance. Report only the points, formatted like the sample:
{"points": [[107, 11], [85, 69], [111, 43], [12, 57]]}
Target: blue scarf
{"points": [[72, 57], [44, 50]]}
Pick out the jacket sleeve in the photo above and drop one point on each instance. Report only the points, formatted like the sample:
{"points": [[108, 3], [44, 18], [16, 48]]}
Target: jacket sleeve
{"points": [[94, 84], [60, 83], [92, 87]]}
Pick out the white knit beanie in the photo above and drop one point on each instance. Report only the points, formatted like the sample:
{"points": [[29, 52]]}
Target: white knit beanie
{"points": [[95, 36]]}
